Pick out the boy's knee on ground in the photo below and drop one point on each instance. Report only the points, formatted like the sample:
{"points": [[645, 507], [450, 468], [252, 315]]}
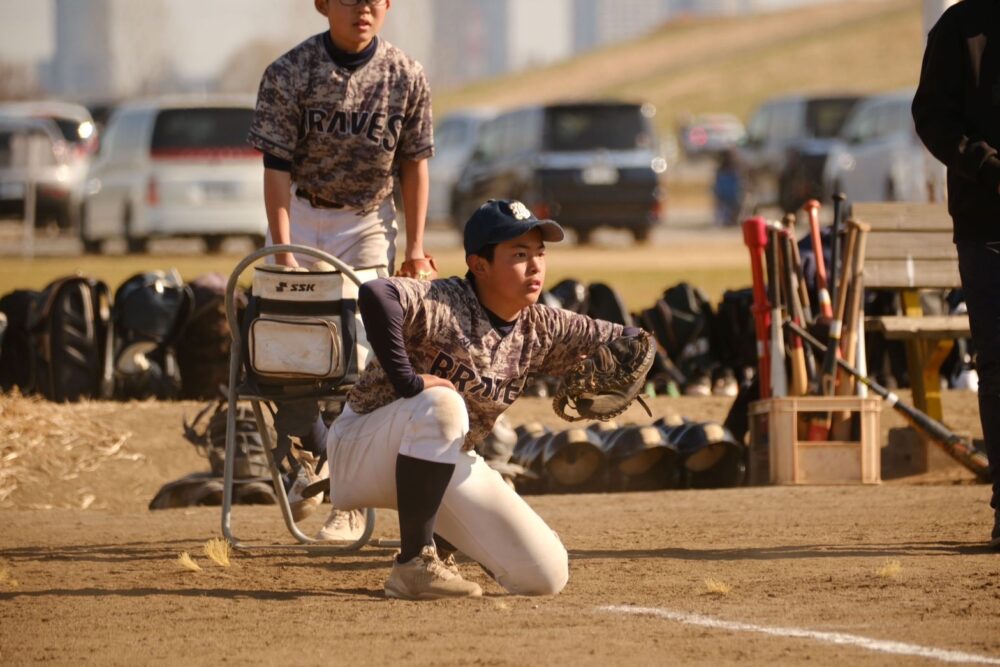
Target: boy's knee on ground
{"points": [[548, 578]]}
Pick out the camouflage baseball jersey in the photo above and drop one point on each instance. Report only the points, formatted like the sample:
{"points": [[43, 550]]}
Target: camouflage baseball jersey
{"points": [[447, 333], [341, 130]]}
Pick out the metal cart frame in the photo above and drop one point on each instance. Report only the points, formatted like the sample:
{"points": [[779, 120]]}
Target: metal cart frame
{"points": [[305, 543]]}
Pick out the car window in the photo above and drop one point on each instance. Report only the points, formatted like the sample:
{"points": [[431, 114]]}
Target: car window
{"points": [[785, 122], [15, 143], [126, 136], [898, 118], [582, 128], [757, 128], [520, 132], [453, 132], [488, 148], [862, 126], [201, 129], [825, 117]]}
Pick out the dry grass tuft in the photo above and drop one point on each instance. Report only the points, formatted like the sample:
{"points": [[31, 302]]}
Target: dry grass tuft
{"points": [[716, 587], [186, 562], [6, 580], [219, 551], [890, 569], [40, 444]]}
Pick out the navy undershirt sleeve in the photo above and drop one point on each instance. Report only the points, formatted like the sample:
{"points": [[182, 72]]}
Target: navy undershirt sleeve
{"points": [[276, 163], [382, 313]]}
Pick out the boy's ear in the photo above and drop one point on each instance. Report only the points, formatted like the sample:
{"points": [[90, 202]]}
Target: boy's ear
{"points": [[320, 6], [476, 264]]}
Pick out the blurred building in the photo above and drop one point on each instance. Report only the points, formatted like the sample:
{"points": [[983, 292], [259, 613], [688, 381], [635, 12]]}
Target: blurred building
{"points": [[108, 48], [98, 49], [600, 22]]}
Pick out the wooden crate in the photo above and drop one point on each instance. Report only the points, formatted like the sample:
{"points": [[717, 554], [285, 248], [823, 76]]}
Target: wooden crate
{"points": [[779, 454]]}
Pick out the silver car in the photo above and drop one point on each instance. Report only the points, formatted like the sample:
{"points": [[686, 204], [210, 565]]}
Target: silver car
{"points": [[34, 154], [880, 157], [176, 167], [77, 139], [455, 138]]}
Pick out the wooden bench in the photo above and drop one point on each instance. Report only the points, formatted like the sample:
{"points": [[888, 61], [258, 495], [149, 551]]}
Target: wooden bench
{"points": [[910, 249]]}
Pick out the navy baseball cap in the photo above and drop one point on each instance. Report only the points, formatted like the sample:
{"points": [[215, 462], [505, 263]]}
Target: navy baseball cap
{"points": [[500, 220]]}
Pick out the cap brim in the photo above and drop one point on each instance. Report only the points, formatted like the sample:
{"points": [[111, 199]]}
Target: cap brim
{"points": [[551, 231]]}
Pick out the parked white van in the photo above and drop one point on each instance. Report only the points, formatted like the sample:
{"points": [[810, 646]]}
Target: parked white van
{"points": [[176, 167]]}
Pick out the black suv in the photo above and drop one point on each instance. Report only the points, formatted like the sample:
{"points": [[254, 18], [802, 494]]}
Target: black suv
{"points": [[584, 164]]}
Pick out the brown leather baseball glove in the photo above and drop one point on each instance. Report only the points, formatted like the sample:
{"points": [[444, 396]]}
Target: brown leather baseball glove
{"points": [[603, 385], [421, 269]]}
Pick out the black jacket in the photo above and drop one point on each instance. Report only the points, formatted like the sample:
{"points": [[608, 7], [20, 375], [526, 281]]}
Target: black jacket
{"points": [[957, 113]]}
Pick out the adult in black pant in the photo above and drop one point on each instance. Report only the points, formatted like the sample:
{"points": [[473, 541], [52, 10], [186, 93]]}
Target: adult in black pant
{"points": [[957, 114]]}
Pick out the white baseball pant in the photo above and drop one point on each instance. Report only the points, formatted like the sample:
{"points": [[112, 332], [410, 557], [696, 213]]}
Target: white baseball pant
{"points": [[480, 514], [359, 239]]}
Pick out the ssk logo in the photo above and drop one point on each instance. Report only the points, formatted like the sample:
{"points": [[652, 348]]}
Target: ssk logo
{"points": [[295, 287]]}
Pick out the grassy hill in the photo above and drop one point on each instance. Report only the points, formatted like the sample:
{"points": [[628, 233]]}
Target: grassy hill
{"points": [[724, 64]]}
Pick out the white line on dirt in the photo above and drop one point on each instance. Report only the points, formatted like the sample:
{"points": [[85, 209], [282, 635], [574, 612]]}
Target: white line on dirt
{"points": [[881, 645]]}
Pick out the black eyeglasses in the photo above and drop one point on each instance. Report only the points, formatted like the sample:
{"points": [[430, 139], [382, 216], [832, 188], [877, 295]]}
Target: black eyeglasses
{"points": [[355, 3]]}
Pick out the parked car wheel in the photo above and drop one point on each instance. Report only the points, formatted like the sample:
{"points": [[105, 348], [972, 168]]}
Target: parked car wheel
{"points": [[641, 233], [890, 190], [213, 243], [134, 244], [90, 246]]}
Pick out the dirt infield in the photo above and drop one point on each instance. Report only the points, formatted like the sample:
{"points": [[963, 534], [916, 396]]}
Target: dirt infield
{"points": [[871, 575]]}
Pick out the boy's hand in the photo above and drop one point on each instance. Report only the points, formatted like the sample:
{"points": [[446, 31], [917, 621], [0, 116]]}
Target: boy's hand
{"points": [[421, 269], [435, 381]]}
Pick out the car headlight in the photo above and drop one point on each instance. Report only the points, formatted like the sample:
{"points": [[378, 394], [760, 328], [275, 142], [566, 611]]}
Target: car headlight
{"points": [[658, 165], [845, 162], [85, 130]]}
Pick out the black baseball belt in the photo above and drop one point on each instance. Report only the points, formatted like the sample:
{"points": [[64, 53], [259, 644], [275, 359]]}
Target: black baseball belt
{"points": [[315, 200]]}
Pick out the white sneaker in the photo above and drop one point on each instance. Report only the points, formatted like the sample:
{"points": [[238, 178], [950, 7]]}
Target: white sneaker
{"points": [[427, 577], [303, 507], [343, 527]]}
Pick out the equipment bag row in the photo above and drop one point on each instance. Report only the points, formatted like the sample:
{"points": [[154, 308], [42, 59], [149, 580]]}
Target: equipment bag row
{"points": [[156, 338]]}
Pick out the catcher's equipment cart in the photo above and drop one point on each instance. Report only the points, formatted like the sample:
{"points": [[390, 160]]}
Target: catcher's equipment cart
{"points": [[304, 340]]}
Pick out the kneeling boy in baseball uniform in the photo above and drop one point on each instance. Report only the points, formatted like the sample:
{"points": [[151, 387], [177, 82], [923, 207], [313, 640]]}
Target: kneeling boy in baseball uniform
{"points": [[452, 355]]}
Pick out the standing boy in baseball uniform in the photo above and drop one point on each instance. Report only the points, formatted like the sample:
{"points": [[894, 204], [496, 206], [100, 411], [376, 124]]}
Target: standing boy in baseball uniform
{"points": [[452, 355], [337, 117]]}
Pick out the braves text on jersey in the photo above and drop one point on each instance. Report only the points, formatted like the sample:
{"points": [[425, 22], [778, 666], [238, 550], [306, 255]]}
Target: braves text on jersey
{"points": [[343, 130]]}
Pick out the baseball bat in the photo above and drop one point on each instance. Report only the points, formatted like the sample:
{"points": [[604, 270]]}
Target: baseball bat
{"points": [[829, 377], [800, 276], [851, 321], [954, 445], [823, 294], [819, 427], [779, 378], [838, 219], [796, 351], [755, 238]]}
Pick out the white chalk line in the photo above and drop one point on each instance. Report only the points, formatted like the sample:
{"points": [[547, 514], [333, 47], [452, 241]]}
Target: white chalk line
{"points": [[841, 638]]}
